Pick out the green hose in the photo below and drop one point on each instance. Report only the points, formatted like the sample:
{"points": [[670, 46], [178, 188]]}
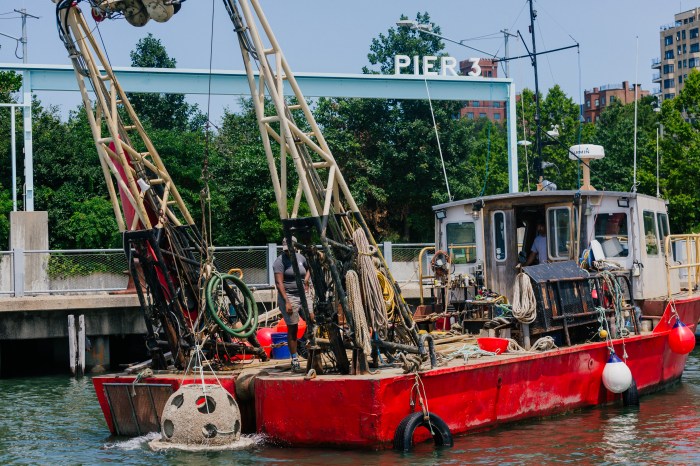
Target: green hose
{"points": [[251, 322]]}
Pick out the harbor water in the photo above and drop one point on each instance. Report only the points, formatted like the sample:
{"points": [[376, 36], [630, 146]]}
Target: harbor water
{"points": [[56, 420]]}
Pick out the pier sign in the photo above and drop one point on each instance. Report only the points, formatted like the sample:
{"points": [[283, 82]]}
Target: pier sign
{"points": [[426, 65]]}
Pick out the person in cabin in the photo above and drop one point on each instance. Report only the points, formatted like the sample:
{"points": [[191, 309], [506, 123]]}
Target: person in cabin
{"points": [[289, 295], [538, 251]]}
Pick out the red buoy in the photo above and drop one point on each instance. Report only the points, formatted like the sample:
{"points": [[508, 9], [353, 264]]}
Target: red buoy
{"points": [[265, 338], [681, 339]]}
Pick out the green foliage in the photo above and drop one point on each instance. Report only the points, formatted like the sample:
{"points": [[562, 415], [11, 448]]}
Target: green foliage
{"points": [[161, 111]]}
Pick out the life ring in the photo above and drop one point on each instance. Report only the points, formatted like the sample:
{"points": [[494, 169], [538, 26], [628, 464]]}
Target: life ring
{"points": [[441, 269], [403, 437], [630, 397]]}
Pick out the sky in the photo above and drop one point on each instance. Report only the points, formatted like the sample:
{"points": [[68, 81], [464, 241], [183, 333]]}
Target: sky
{"points": [[330, 36]]}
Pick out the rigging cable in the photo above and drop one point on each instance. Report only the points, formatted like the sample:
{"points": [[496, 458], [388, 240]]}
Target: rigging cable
{"points": [[437, 137]]}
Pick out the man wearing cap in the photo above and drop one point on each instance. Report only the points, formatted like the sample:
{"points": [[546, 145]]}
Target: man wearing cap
{"points": [[289, 295]]}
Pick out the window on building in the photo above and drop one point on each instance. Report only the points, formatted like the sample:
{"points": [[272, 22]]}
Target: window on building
{"points": [[685, 63], [461, 242], [695, 33], [695, 47], [470, 115], [668, 68], [558, 232], [692, 63], [496, 105], [662, 227], [683, 34], [650, 236], [499, 236], [602, 101], [489, 74], [668, 83], [611, 233], [496, 116], [597, 102], [678, 50], [685, 21], [668, 40], [678, 36], [685, 49], [680, 79], [482, 115], [588, 119], [668, 55], [612, 98], [476, 103], [588, 104]]}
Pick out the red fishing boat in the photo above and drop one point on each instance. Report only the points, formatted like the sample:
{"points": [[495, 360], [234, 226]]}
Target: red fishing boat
{"points": [[597, 320]]}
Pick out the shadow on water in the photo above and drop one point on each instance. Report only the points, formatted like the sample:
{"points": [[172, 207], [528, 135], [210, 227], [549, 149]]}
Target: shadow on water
{"points": [[56, 420]]}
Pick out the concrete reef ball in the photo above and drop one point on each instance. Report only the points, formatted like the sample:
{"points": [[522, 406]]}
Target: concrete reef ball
{"points": [[201, 415]]}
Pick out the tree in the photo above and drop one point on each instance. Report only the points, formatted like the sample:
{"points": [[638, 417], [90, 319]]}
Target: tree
{"points": [[161, 111]]}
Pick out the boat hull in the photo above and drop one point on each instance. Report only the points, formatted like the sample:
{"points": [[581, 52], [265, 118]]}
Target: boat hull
{"points": [[364, 411]]}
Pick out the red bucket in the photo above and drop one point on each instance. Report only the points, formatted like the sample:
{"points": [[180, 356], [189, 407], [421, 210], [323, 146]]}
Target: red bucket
{"points": [[494, 345]]}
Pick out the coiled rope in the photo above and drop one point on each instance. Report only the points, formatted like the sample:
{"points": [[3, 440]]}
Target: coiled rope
{"points": [[542, 344], [388, 294], [372, 296], [524, 303], [362, 333]]}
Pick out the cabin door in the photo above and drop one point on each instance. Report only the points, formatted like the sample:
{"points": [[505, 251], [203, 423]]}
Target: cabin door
{"points": [[501, 253]]}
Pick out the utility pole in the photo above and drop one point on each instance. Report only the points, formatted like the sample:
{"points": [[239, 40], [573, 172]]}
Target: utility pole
{"points": [[506, 66], [538, 141], [27, 114]]}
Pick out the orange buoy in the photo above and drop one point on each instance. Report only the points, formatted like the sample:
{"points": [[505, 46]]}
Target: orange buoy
{"points": [[301, 327], [681, 339]]}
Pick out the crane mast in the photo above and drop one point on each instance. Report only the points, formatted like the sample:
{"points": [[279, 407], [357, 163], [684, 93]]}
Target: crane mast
{"points": [[357, 305], [169, 260], [335, 221]]}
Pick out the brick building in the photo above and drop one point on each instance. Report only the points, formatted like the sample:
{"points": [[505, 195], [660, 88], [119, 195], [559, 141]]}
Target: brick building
{"points": [[493, 110], [595, 100], [680, 52]]}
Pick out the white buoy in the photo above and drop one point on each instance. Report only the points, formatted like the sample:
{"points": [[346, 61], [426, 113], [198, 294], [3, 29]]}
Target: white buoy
{"points": [[201, 417], [617, 377]]}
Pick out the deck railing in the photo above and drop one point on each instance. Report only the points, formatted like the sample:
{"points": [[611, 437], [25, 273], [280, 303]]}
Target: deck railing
{"points": [[682, 253]]}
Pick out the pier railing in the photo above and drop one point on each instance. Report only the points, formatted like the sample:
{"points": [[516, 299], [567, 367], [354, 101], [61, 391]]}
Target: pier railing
{"points": [[84, 271]]}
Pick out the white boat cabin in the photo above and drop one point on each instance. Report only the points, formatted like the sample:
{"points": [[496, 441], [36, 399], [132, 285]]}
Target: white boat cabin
{"points": [[488, 237]]}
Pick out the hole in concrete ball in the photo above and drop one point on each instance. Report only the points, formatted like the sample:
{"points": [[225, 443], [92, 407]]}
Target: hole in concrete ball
{"points": [[168, 428], [237, 426], [231, 401], [178, 400], [205, 404], [209, 431]]}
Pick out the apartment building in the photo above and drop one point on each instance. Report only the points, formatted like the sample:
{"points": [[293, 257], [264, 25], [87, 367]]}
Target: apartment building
{"points": [[595, 100], [680, 53], [493, 110]]}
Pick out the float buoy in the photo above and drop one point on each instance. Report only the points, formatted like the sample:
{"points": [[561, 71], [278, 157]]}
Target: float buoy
{"points": [[617, 377], [403, 437], [264, 336], [681, 339]]}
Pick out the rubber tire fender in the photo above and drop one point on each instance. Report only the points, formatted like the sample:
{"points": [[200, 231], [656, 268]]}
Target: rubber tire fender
{"points": [[403, 437], [630, 397]]}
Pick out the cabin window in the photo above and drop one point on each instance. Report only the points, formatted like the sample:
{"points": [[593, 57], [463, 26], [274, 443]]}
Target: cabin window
{"points": [[662, 227], [499, 236], [461, 242], [650, 236], [558, 232], [611, 233]]}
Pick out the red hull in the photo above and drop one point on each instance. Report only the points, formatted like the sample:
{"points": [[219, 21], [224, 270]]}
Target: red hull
{"points": [[364, 411]]}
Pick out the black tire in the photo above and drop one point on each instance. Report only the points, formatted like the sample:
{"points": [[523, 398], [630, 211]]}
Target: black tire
{"points": [[630, 397], [403, 437]]}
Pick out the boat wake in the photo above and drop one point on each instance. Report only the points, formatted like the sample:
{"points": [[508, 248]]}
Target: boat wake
{"points": [[135, 443]]}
